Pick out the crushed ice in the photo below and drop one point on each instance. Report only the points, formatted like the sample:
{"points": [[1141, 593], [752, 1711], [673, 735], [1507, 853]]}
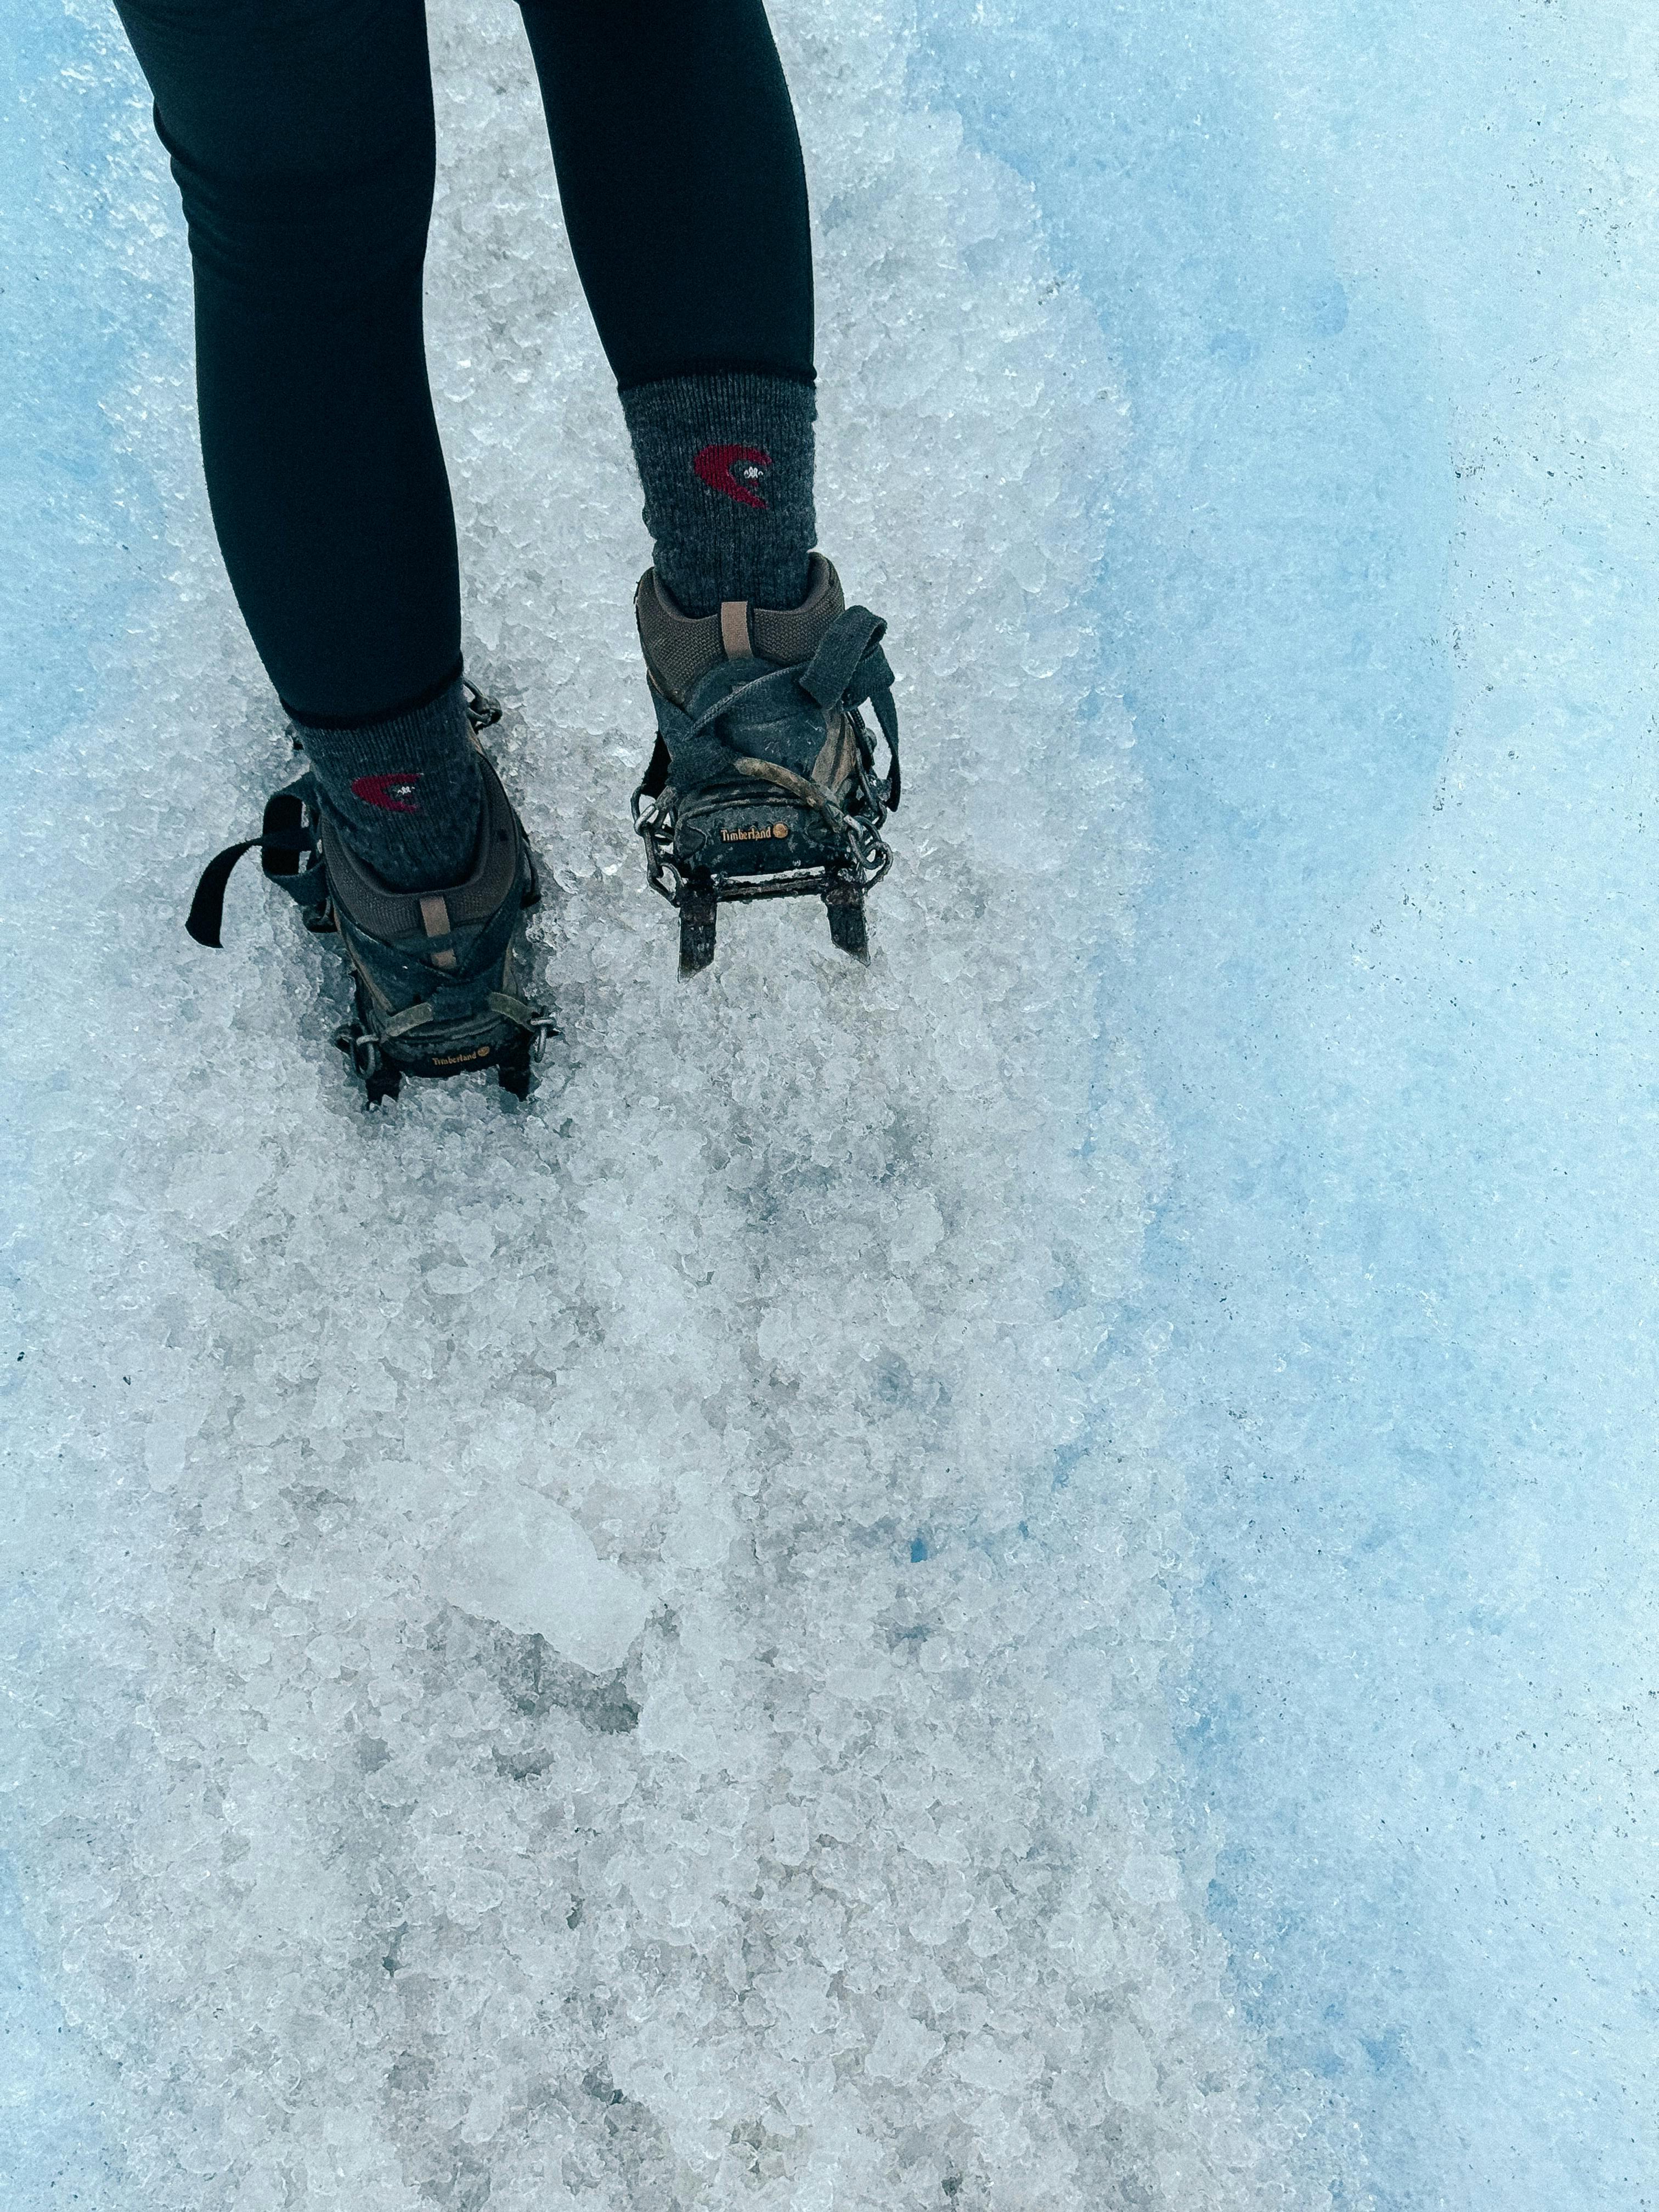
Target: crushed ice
{"points": [[606, 1654]]}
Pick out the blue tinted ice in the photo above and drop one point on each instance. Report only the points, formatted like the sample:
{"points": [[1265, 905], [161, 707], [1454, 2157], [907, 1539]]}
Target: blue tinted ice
{"points": [[1015, 1580], [1378, 596]]}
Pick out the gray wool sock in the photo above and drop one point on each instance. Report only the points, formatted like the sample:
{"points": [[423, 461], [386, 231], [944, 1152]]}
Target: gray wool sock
{"points": [[404, 792], [726, 462]]}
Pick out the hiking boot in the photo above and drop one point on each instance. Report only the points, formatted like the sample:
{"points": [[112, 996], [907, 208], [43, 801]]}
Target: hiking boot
{"points": [[762, 783], [437, 986]]}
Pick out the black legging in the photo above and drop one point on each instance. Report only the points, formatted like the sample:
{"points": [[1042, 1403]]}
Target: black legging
{"points": [[302, 138]]}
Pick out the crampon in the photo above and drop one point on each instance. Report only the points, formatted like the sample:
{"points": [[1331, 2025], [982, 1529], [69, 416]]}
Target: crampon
{"points": [[436, 980], [763, 782]]}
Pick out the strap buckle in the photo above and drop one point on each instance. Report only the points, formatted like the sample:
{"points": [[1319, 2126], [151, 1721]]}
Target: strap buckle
{"points": [[360, 1047]]}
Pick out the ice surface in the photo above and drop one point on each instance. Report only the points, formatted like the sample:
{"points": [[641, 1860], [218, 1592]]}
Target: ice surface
{"points": [[1381, 284], [616, 1654], [72, 252], [622, 1655]]}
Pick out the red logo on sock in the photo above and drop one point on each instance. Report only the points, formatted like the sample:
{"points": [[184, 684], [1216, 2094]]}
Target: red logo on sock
{"points": [[394, 792], [734, 470]]}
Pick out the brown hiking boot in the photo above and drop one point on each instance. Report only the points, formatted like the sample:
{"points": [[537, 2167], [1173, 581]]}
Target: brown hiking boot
{"points": [[762, 783]]}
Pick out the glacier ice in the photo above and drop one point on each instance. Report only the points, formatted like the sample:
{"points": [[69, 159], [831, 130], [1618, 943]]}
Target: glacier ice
{"points": [[1378, 600], [614, 1654], [1021, 1580]]}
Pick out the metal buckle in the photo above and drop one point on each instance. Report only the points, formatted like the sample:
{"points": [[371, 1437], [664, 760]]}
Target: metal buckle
{"points": [[360, 1049], [654, 825], [481, 709]]}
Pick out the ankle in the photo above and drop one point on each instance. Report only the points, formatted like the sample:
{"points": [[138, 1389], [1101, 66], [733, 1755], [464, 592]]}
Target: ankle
{"points": [[402, 792], [725, 461]]}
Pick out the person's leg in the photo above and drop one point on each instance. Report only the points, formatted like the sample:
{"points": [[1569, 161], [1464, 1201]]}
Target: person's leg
{"points": [[301, 138], [684, 197]]}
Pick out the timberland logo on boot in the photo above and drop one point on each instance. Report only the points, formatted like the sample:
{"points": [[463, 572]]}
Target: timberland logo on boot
{"points": [[766, 831], [394, 792], [734, 470]]}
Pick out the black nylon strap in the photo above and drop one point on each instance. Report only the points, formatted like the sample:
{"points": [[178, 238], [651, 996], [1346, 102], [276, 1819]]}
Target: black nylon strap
{"points": [[206, 917], [849, 667], [887, 716], [656, 772], [282, 844], [850, 664], [852, 634], [284, 834]]}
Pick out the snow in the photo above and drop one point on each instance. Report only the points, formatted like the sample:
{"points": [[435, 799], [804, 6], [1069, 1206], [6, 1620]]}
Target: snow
{"points": [[1013, 1579]]}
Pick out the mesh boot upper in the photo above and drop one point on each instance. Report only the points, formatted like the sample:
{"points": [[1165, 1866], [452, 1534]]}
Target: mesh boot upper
{"points": [[680, 649]]}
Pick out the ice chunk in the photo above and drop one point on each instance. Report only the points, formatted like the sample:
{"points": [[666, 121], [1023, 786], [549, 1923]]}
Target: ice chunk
{"points": [[523, 1561], [903, 2051], [1130, 2077]]}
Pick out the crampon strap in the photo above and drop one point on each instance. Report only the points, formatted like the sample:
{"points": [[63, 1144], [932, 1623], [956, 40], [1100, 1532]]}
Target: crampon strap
{"points": [[282, 841], [651, 783], [848, 668]]}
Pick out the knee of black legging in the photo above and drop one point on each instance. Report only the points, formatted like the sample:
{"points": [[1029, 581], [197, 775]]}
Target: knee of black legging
{"points": [[314, 232]]}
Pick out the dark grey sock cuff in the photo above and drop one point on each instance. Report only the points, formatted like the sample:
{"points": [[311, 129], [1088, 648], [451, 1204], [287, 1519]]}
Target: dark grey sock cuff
{"points": [[726, 464], [405, 792]]}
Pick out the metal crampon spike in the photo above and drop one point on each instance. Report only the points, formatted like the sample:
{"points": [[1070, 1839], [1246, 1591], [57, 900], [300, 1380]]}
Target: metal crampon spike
{"points": [[698, 908], [844, 903], [513, 1068]]}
